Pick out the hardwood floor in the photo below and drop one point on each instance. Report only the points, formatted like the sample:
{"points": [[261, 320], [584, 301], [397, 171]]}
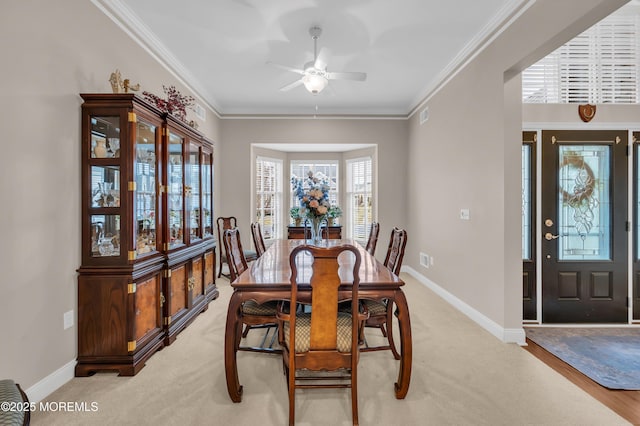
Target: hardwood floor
{"points": [[625, 403]]}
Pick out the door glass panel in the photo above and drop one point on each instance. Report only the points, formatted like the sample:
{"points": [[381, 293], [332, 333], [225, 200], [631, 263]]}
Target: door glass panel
{"points": [[207, 195], [584, 202], [105, 235], [175, 191], [526, 202], [145, 194], [194, 198], [105, 137], [637, 156], [105, 186]]}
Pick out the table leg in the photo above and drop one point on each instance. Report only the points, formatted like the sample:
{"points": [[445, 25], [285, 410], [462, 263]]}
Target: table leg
{"points": [[406, 350], [231, 337]]}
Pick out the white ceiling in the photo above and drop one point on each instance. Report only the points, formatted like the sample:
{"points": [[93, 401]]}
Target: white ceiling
{"points": [[220, 48]]}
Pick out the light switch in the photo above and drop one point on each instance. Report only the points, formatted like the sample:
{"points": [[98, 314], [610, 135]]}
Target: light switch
{"points": [[464, 214]]}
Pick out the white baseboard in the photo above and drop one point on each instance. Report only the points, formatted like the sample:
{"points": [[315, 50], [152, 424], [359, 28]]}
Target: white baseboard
{"points": [[507, 335], [53, 381]]}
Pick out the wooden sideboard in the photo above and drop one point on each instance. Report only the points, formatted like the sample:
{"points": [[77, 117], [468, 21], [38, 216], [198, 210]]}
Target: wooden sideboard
{"points": [[298, 232]]}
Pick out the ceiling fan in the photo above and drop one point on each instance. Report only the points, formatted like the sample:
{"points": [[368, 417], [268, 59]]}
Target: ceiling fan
{"points": [[315, 76]]}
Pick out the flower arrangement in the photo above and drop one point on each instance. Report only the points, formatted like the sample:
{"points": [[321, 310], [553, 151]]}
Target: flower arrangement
{"points": [[175, 104], [313, 194]]}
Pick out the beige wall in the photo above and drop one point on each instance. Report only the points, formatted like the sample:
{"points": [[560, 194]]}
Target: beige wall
{"points": [[467, 155], [51, 51], [235, 152]]}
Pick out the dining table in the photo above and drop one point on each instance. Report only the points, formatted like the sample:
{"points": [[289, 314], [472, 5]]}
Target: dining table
{"points": [[268, 278]]}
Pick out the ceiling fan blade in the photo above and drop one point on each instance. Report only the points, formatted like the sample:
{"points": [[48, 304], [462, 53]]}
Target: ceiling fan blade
{"points": [[357, 76], [291, 85], [321, 60], [287, 68]]}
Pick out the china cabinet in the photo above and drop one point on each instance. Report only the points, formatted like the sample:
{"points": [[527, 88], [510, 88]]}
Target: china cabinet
{"points": [[148, 252]]}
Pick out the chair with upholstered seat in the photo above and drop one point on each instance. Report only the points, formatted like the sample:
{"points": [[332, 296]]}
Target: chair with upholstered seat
{"points": [[372, 241], [258, 241], [224, 223], [380, 312], [254, 315], [324, 341]]}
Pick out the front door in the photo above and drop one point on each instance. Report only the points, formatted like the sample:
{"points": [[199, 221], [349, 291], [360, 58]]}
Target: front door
{"points": [[584, 227]]}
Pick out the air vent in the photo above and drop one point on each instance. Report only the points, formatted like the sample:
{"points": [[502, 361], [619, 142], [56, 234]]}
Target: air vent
{"points": [[424, 115], [200, 112]]}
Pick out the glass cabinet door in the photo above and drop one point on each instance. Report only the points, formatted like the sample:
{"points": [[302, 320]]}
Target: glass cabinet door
{"points": [[104, 205], [194, 193], [105, 137], [207, 194], [145, 201], [175, 193]]}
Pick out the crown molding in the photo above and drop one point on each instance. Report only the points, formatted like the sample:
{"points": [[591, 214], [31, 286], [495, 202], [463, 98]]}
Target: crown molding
{"points": [[311, 116], [140, 33], [509, 12]]}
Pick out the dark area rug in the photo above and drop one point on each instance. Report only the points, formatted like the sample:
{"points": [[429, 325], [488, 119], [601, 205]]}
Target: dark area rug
{"points": [[609, 356]]}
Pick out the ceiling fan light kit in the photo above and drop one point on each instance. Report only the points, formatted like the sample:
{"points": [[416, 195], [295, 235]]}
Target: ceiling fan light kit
{"points": [[315, 76], [314, 83]]}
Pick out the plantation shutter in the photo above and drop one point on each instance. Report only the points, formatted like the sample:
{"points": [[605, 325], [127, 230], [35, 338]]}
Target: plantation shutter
{"points": [[268, 191], [329, 168], [598, 66], [359, 198]]}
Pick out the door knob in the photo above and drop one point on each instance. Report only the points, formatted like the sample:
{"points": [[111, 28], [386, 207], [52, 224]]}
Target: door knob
{"points": [[549, 236]]}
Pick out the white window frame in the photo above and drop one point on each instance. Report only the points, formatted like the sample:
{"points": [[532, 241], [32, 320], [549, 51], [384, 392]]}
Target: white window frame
{"points": [[359, 231], [277, 198]]}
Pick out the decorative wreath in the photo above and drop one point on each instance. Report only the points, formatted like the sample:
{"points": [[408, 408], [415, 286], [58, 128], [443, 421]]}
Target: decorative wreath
{"points": [[584, 183]]}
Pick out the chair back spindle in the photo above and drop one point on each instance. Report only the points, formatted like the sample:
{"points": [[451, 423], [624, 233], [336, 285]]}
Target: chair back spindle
{"points": [[395, 252], [235, 255], [258, 240], [372, 242]]}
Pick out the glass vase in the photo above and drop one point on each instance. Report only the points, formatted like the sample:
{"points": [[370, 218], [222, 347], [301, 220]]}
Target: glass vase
{"points": [[316, 229]]}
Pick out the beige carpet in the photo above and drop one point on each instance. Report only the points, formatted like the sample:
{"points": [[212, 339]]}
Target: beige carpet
{"points": [[461, 375]]}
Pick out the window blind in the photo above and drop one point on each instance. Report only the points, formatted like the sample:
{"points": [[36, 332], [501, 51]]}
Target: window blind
{"points": [[598, 66], [329, 168], [359, 198], [268, 189]]}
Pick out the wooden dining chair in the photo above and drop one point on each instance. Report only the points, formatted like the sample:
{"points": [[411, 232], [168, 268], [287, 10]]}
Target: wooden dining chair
{"points": [[254, 315], [224, 223], [258, 241], [372, 242], [322, 341], [381, 312]]}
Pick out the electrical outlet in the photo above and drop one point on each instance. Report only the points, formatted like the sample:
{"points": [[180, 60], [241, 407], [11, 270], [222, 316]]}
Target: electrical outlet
{"points": [[68, 319], [424, 260]]}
